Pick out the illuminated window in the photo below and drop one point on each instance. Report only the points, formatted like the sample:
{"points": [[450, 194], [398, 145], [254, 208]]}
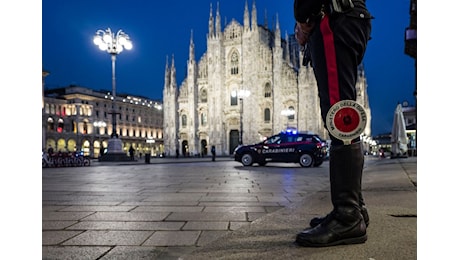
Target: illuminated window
{"points": [[204, 119], [50, 124], [184, 120], [233, 98], [60, 125]]}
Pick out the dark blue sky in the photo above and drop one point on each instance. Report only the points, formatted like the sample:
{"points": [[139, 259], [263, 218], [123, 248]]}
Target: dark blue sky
{"points": [[160, 29]]}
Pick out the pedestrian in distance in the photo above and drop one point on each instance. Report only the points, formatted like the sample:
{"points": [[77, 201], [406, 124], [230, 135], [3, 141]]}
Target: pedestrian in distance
{"points": [[213, 152], [336, 33], [50, 151], [131, 153]]}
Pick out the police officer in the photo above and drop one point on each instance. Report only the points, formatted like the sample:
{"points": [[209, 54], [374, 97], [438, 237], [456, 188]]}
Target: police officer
{"points": [[336, 33]]}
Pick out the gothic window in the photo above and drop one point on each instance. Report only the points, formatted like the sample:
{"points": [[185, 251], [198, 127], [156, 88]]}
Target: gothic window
{"points": [[267, 90], [204, 119], [234, 63], [267, 115], [291, 115], [233, 98], [184, 120], [204, 96]]}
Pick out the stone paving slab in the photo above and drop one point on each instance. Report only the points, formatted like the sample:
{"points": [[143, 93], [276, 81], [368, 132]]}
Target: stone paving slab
{"points": [[173, 238], [207, 216], [126, 216], [109, 238], [126, 225], [73, 252]]}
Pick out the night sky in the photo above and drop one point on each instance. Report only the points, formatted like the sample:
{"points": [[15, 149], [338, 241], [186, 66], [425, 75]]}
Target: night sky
{"points": [[162, 29]]}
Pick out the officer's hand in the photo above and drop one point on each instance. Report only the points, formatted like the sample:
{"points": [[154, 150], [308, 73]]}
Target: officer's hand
{"points": [[302, 32]]}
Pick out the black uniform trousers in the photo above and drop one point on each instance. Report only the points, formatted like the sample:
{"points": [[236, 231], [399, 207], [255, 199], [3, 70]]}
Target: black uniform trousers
{"points": [[337, 46]]}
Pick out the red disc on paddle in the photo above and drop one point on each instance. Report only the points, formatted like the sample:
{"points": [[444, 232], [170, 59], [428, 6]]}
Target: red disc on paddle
{"points": [[346, 119]]}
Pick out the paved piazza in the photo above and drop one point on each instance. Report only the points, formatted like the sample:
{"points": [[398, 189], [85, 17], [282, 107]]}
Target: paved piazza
{"points": [[161, 210]]}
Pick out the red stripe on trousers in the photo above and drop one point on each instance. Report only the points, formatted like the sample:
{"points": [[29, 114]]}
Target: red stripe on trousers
{"points": [[331, 63]]}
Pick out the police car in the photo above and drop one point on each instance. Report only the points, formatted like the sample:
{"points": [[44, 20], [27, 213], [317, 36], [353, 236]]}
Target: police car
{"points": [[304, 148]]}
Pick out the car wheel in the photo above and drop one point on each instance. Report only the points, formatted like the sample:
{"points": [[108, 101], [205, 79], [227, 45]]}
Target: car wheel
{"points": [[247, 160], [306, 160]]}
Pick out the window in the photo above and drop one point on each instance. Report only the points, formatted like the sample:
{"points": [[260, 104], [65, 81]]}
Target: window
{"points": [[204, 96], [60, 125], [234, 63], [291, 115], [85, 128], [50, 124], [267, 90], [233, 98], [184, 120], [267, 115], [204, 119]]}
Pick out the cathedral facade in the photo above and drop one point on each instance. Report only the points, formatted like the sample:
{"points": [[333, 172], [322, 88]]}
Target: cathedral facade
{"points": [[248, 85]]}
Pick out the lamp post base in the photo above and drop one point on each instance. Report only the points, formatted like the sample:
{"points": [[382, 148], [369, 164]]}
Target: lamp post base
{"points": [[114, 152]]}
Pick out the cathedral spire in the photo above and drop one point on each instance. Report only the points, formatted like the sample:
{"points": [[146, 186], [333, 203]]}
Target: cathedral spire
{"points": [[288, 48], [246, 16], [254, 16], [167, 74], [210, 23], [266, 19], [218, 25], [191, 54], [277, 26], [173, 73], [277, 33]]}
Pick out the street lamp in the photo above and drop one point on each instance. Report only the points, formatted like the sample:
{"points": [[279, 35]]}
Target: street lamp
{"points": [[113, 44], [241, 94], [289, 113], [100, 125]]}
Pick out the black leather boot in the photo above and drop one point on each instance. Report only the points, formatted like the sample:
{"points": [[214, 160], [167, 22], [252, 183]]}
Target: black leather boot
{"points": [[317, 220], [345, 224]]}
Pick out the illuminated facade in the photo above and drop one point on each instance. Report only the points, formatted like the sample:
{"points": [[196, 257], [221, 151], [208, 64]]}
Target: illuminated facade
{"points": [[79, 119]]}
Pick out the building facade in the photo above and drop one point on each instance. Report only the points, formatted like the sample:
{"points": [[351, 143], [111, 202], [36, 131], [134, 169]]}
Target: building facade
{"points": [[248, 85], [79, 119]]}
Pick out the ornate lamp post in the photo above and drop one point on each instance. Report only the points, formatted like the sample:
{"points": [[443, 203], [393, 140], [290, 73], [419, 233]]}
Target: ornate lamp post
{"points": [[113, 44], [289, 113], [241, 94]]}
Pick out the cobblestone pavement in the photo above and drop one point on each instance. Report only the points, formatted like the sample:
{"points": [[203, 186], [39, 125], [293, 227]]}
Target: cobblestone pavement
{"points": [[161, 210]]}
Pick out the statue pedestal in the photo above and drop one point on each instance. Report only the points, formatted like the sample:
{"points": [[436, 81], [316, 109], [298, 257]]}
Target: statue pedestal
{"points": [[114, 152]]}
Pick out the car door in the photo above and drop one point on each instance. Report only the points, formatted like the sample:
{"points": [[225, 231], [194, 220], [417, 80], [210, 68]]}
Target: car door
{"points": [[270, 149], [286, 150]]}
